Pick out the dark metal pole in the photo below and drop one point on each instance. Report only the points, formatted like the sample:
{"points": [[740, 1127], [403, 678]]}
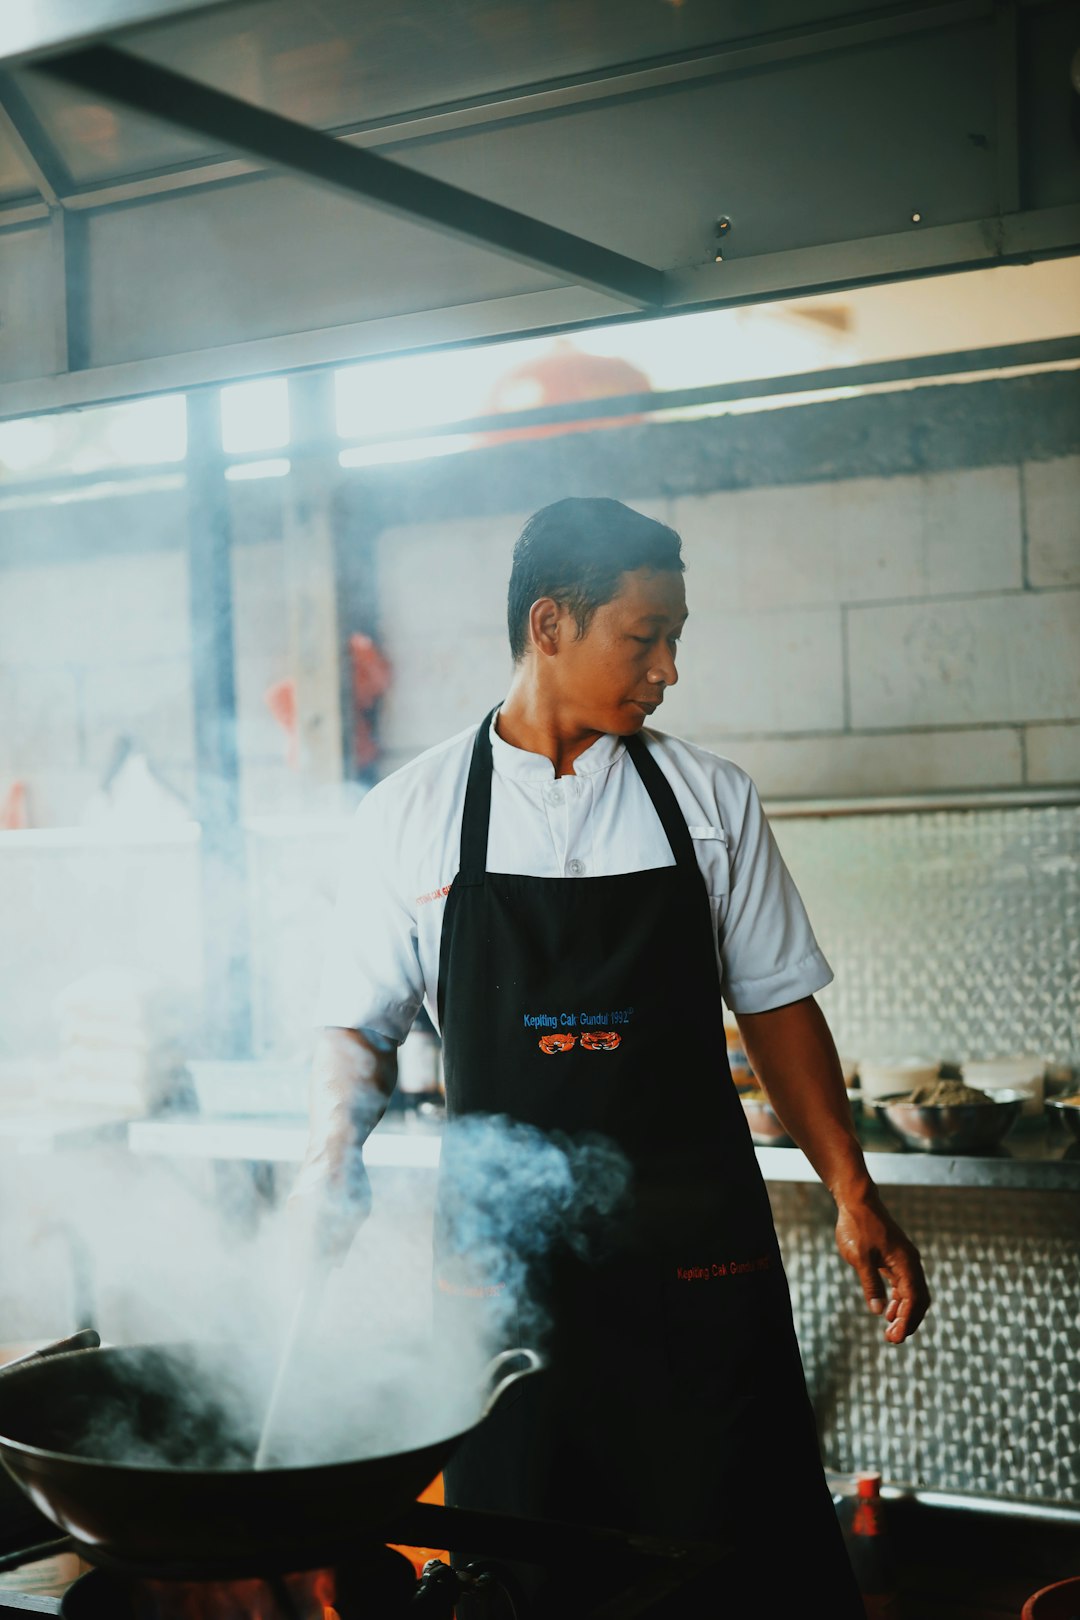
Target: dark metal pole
{"points": [[226, 951]]}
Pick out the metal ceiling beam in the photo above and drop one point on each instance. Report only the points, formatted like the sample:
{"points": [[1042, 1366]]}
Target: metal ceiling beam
{"points": [[551, 97], [382, 184], [799, 272], [1006, 98], [30, 28], [32, 146]]}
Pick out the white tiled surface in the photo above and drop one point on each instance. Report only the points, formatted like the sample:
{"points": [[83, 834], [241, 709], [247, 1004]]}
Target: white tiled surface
{"points": [[859, 540], [866, 635], [445, 581], [779, 671], [150, 700], [101, 610], [951, 662], [1053, 753], [39, 717], [899, 762], [924, 576], [442, 685], [1052, 508]]}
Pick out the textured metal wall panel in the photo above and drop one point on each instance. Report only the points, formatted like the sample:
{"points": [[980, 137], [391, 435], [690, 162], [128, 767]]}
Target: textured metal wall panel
{"points": [[955, 935], [984, 1397]]}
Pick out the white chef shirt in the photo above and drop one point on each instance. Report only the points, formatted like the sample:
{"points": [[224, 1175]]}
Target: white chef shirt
{"points": [[382, 956]]}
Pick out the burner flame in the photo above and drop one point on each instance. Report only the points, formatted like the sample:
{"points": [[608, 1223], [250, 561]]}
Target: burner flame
{"points": [[307, 1596]]}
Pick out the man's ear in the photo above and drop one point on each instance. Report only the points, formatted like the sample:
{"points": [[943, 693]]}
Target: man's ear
{"points": [[545, 623]]}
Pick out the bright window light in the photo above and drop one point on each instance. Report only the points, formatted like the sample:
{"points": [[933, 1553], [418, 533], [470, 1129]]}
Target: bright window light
{"points": [[244, 471], [415, 391], [378, 455], [255, 415], [408, 393], [147, 431], [27, 444]]}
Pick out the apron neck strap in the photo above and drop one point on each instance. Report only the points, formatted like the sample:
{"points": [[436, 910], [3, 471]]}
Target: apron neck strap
{"points": [[476, 815], [664, 803]]}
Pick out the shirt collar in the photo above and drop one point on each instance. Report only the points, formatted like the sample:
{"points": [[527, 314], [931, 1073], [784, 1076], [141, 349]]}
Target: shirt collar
{"points": [[525, 767]]}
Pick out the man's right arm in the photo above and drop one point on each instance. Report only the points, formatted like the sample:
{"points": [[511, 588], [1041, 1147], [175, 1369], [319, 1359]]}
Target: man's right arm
{"points": [[353, 1075]]}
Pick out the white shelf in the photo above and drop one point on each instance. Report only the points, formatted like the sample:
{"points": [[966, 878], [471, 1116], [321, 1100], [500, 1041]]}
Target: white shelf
{"points": [[273, 1141]]}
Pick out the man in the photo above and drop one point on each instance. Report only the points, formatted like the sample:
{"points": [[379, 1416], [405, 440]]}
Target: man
{"points": [[565, 870]]}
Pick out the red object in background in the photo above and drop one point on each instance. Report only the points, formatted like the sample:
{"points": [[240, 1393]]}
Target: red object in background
{"points": [[371, 674], [567, 373], [14, 815], [370, 679], [280, 699]]}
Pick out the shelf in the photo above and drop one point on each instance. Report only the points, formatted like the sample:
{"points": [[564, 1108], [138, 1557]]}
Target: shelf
{"points": [[274, 1141], [1047, 1170], [1030, 1162]]}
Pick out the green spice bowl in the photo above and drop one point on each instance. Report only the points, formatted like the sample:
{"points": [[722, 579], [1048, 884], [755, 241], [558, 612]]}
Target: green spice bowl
{"points": [[951, 1127]]}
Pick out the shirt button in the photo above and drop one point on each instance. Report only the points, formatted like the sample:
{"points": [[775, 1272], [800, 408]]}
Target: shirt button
{"points": [[575, 868], [554, 795]]}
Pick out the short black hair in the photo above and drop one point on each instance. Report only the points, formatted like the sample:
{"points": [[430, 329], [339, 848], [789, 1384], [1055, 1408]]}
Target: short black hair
{"points": [[576, 551]]}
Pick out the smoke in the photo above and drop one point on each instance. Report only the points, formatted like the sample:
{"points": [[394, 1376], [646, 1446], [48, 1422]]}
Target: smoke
{"points": [[393, 1351], [512, 1196]]}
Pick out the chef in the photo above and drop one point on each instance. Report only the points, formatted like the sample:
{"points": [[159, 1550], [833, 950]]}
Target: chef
{"points": [[564, 868]]}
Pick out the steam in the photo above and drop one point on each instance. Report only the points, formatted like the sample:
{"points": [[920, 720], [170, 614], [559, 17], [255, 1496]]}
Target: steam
{"points": [[511, 1195], [393, 1359]]}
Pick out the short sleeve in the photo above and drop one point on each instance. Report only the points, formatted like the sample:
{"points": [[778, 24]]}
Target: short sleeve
{"points": [[768, 953], [371, 975]]}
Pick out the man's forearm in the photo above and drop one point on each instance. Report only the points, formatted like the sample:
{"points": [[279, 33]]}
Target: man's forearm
{"points": [[791, 1052], [352, 1079]]}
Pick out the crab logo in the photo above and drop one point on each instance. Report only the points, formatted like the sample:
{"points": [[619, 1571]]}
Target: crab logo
{"points": [[550, 1044]]}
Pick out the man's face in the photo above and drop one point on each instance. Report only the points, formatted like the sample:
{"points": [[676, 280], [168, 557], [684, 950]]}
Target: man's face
{"points": [[614, 677]]}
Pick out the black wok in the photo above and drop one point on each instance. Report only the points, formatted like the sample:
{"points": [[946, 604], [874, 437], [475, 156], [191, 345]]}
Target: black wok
{"points": [[194, 1505]]}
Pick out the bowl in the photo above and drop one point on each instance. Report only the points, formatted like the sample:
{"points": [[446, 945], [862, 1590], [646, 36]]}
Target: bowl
{"points": [[1067, 1109], [765, 1128], [951, 1127]]}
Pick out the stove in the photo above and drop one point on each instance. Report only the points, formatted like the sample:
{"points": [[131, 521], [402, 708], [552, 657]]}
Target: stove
{"points": [[600, 1574]]}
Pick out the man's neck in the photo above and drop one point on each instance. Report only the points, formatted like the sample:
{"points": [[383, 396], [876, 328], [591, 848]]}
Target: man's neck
{"points": [[529, 720]]}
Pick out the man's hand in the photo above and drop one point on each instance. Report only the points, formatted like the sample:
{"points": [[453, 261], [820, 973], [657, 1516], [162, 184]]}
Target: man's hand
{"points": [[874, 1246], [352, 1078], [792, 1054]]}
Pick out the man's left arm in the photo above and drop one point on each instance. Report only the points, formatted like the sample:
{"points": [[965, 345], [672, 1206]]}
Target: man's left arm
{"points": [[791, 1052]]}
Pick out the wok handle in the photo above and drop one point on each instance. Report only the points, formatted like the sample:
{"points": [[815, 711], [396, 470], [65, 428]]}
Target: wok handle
{"points": [[86, 1339], [534, 1363]]}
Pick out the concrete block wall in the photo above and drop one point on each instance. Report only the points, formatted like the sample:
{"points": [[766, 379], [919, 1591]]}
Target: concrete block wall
{"points": [[95, 644], [855, 636], [885, 598], [91, 650]]}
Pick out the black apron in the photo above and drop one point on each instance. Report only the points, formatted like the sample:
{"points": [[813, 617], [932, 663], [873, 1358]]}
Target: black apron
{"points": [[674, 1401]]}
